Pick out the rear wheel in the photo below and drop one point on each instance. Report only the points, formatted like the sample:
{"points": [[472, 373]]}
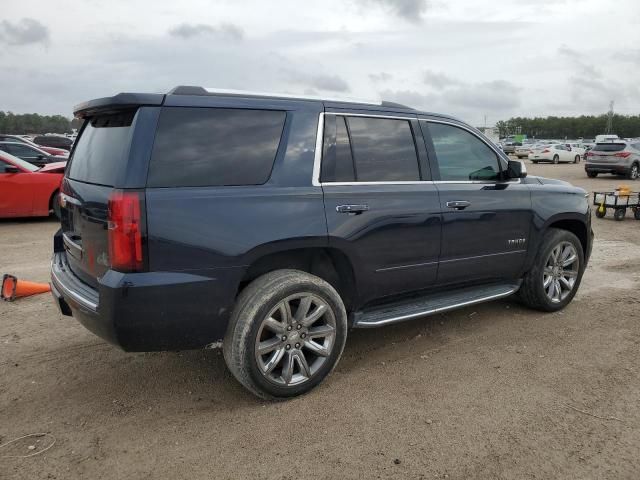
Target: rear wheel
{"points": [[556, 159], [633, 172], [54, 204], [619, 214], [286, 334], [591, 174], [576, 159], [557, 270]]}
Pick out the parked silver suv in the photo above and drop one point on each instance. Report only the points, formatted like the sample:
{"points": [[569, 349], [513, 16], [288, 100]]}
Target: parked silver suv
{"points": [[620, 158]]}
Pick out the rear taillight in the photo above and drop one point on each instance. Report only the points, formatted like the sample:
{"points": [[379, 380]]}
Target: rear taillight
{"points": [[546, 150], [622, 154], [126, 231], [588, 154]]}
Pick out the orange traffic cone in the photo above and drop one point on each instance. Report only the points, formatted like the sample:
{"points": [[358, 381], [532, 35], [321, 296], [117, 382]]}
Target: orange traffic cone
{"points": [[13, 288]]}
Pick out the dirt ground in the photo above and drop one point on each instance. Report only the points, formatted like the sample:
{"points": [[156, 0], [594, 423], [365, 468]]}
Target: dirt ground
{"points": [[490, 391]]}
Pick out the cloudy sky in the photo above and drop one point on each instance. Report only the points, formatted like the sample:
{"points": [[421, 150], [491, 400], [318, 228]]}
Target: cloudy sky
{"points": [[468, 58]]}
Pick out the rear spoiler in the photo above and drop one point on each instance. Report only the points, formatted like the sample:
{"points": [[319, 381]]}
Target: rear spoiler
{"points": [[116, 103]]}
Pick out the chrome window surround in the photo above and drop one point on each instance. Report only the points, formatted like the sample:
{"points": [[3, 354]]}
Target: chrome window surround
{"points": [[320, 143]]}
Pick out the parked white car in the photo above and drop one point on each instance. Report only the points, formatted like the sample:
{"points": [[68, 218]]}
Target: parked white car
{"points": [[578, 148], [554, 153]]}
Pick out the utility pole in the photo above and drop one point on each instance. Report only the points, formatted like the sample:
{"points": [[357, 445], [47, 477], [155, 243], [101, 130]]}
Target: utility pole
{"points": [[609, 129]]}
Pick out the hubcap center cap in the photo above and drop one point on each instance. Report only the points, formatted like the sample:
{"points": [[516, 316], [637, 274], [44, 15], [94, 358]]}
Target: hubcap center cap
{"points": [[294, 337]]}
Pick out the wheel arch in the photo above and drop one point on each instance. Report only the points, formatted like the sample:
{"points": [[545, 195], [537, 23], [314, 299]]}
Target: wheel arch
{"points": [[328, 263]]}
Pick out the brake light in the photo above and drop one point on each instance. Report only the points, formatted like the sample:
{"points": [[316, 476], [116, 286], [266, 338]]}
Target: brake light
{"points": [[588, 154], [126, 231], [622, 154], [546, 150]]}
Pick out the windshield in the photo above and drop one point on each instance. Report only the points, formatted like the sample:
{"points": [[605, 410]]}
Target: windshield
{"points": [[19, 162]]}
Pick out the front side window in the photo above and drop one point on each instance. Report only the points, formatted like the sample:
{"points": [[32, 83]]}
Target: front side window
{"points": [[461, 155], [214, 147]]}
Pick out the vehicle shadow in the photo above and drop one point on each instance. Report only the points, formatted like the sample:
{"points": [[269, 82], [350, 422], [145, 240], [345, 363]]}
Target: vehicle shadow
{"points": [[198, 380]]}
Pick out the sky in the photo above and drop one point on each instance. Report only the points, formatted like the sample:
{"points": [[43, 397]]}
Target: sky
{"points": [[471, 59]]}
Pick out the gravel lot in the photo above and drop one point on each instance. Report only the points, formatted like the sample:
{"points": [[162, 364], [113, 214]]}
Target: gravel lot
{"points": [[490, 391]]}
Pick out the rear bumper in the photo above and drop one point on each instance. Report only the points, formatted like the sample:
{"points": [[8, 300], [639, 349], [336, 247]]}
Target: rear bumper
{"points": [[146, 311], [607, 168]]}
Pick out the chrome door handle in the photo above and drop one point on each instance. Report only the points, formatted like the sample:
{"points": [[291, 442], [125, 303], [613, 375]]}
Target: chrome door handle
{"points": [[352, 208], [458, 204]]}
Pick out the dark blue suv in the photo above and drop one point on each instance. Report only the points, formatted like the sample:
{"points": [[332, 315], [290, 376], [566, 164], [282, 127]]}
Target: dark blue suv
{"points": [[275, 224]]}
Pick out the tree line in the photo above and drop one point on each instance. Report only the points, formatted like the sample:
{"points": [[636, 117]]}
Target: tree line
{"points": [[585, 126], [25, 123]]}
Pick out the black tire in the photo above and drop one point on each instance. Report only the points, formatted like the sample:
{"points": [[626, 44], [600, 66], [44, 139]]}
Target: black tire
{"points": [[54, 204], [253, 304], [619, 214], [556, 159], [534, 161], [532, 292], [636, 214], [600, 213], [576, 159], [591, 174], [634, 171]]}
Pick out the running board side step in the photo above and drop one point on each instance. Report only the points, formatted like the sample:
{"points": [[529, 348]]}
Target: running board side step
{"points": [[431, 304]]}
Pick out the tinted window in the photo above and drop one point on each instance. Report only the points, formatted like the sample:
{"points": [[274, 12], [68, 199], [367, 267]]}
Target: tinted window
{"points": [[383, 150], [609, 147], [101, 151], [462, 155], [17, 161], [214, 146], [20, 150], [337, 163]]}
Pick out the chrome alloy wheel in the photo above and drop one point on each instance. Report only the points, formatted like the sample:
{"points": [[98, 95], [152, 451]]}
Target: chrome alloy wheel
{"points": [[295, 339], [560, 272]]}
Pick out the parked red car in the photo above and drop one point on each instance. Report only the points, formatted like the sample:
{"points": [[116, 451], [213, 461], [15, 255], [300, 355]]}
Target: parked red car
{"points": [[26, 190]]}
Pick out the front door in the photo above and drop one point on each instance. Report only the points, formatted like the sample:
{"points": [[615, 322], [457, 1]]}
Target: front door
{"points": [[381, 208], [486, 220]]}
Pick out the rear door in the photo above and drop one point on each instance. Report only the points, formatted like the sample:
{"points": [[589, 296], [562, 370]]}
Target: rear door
{"points": [[381, 207], [99, 164], [486, 220]]}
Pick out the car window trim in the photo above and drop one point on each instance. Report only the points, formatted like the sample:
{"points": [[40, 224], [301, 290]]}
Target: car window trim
{"points": [[317, 161], [494, 150]]}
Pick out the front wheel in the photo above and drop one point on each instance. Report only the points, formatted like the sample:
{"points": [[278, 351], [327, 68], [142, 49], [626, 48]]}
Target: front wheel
{"points": [[633, 172], [555, 275], [286, 334], [576, 159]]}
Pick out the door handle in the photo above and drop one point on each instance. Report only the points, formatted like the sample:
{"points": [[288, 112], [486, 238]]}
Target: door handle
{"points": [[458, 204], [352, 208]]}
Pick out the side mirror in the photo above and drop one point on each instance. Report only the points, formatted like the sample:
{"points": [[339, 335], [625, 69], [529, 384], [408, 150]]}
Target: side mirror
{"points": [[11, 169], [516, 169]]}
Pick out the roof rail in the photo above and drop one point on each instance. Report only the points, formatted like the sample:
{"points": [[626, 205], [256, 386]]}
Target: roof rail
{"points": [[195, 90], [386, 103]]}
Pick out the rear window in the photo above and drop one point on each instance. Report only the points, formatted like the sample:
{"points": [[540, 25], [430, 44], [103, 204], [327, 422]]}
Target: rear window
{"points": [[214, 146], [609, 147], [102, 149]]}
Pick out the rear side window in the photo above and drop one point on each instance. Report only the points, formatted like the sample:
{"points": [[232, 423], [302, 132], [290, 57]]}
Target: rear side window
{"points": [[609, 147], [101, 151], [461, 155], [337, 162], [383, 150], [197, 147], [366, 149]]}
